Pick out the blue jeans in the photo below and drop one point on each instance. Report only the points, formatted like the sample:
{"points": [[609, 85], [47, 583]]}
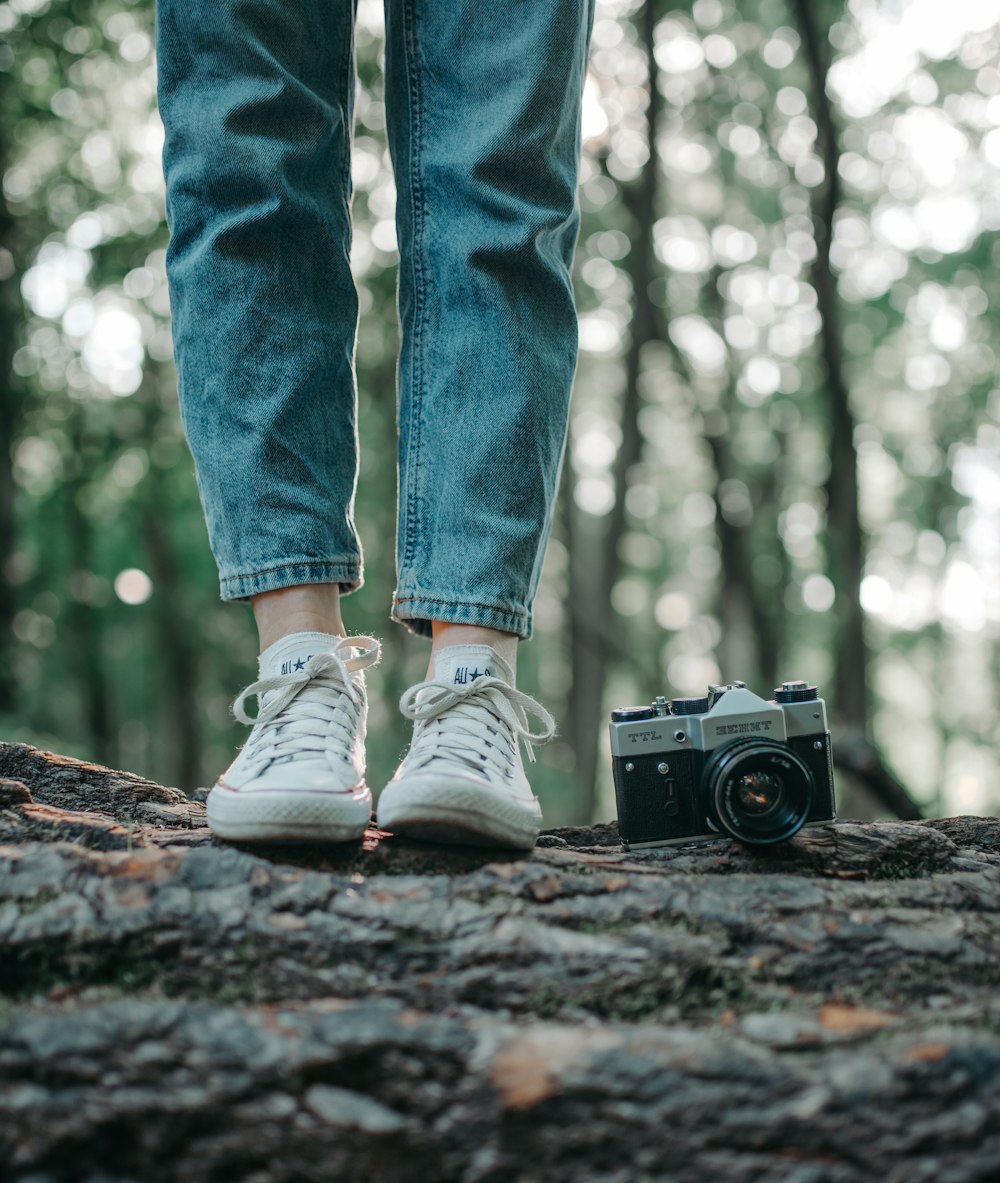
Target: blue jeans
{"points": [[483, 115]]}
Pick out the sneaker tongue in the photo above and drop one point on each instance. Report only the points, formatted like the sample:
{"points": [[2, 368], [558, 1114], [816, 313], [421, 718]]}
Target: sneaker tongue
{"points": [[462, 664], [289, 655]]}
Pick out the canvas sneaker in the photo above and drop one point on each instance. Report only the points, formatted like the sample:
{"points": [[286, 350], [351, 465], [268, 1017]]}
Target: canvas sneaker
{"points": [[462, 780], [300, 777]]}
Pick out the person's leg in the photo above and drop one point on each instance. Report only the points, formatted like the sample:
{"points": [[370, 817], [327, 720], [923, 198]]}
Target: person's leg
{"points": [[483, 112], [257, 104]]}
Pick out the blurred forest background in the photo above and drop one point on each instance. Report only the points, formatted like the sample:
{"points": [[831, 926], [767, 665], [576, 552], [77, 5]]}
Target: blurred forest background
{"points": [[785, 450]]}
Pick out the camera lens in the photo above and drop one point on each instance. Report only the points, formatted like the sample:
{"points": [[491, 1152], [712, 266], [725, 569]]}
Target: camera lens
{"points": [[758, 793], [757, 790]]}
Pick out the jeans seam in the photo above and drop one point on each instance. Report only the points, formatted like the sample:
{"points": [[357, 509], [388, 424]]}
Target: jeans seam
{"points": [[412, 463], [349, 72], [348, 566], [460, 603]]}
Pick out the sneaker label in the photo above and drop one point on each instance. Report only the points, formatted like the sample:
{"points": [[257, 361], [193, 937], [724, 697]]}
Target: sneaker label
{"points": [[293, 666], [463, 675]]}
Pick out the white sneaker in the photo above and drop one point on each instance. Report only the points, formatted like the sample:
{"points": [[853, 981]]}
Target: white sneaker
{"points": [[462, 781], [300, 777]]}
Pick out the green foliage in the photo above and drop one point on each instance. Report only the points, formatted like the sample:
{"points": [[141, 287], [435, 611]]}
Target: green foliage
{"points": [[122, 650]]}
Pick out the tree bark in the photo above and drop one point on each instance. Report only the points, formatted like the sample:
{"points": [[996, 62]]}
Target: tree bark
{"points": [[174, 1008]]}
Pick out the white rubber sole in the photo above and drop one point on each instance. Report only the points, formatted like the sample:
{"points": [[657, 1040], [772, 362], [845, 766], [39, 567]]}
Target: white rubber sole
{"points": [[288, 815], [458, 814]]}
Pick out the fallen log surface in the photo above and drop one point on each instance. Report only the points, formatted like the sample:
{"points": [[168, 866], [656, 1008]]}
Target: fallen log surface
{"points": [[176, 1008]]}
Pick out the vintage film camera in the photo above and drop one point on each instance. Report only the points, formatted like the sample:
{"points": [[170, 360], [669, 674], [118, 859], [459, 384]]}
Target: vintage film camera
{"points": [[730, 763]]}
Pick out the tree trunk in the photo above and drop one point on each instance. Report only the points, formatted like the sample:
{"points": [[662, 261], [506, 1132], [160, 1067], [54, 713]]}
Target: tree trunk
{"points": [[593, 547], [845, 537], [178, 1009], [846, 542], [83, 626], [175, 649], [10, 405], [749, 646]]}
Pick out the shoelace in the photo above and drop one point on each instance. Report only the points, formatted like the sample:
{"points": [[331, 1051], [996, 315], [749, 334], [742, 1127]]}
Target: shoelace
{"points": [[314, 722], [469, 734]]}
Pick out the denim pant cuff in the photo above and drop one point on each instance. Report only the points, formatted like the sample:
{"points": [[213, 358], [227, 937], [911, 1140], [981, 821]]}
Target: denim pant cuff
{"points": [[346, 573], [417, 610]]}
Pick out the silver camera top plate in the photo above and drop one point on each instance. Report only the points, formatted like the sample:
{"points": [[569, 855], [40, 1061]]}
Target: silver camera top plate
{"points": [[737, 713]]}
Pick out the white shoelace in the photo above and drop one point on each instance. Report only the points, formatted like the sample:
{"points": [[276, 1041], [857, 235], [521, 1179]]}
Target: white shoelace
{"points": [[289, 725], [475, 724]]}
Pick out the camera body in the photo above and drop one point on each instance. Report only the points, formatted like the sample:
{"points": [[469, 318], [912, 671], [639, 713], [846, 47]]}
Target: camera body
{"points": [[730, 763]]}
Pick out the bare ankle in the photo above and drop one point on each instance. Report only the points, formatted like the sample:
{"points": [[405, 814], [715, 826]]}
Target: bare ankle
{"points": [[311, 607]]}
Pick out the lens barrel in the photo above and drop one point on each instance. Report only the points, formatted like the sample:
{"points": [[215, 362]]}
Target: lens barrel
{"points": [[757, 790]]}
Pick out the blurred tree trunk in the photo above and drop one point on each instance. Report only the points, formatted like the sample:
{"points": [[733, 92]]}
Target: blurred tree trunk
{"points": [[593, 544], [751, 638], [845, 537], [9, 413], [748, 649], [743, 606], [769, 598], [176, 640], [175, 646], [846, 543], [588, 614], [83, 628], [83, 632]]}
